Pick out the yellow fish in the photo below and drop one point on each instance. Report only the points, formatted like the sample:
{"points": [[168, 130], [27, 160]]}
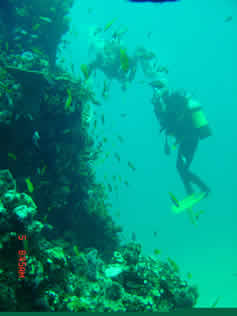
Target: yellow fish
{"points": [[85, 71], [66, 131], [76, 250], [156, 252], [217, 300], [173, 265], [45, 218], [36, 51], [45, 19], [116, 155], [131, 166], [12, 156], [108, 25], [68, 101], [35, 27], [124, 61], [43, 170], [29, 185]]}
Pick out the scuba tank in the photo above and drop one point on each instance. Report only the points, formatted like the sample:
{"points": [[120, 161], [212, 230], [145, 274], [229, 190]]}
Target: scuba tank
{"points": [[199, 119]]}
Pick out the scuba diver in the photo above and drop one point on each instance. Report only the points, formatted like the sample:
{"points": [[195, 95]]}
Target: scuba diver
{"points": [[111, 57], [182, 117]]}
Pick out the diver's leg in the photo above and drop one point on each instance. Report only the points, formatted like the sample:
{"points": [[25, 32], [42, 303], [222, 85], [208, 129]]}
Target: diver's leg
{"points": [[187, 150], [196, 180], [182, 168]]}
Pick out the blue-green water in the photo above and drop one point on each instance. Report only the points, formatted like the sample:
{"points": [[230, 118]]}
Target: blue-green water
{"points": [[197, 42]]}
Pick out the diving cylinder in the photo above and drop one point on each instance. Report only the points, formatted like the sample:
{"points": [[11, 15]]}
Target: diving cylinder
{"points": [[199, 119]]}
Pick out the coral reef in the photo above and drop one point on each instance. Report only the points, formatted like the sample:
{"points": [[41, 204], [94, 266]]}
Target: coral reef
{"points": [[58, 279]]}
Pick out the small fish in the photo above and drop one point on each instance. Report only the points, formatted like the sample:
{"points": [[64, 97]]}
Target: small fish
{"points": [[67, 131], [173, 264], [173, 199], [126, 183], [36, 51], [95, 123], [102, 119], [116, 155], [108, 25], [162, 69], [133, 237], [124, 61], [45, 218], [123, 115], [42, 172], [131, 166], [105, 90], [35, 27], [121, 139], [76, 250], [85, 71], [159, 84], [110, 187], [45, 19], [12, 156], [217, 300], [68, 101], [29, 185], [228, 19], [155, 234], [36, 139], [156, 252]]}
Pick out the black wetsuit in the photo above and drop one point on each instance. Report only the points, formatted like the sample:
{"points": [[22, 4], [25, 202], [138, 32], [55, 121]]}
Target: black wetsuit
{"points": [[187, 138]]}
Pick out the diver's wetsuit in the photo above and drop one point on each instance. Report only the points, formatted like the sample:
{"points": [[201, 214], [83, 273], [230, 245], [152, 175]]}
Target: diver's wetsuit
{"points": [[185, 156], [187, 137]]}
